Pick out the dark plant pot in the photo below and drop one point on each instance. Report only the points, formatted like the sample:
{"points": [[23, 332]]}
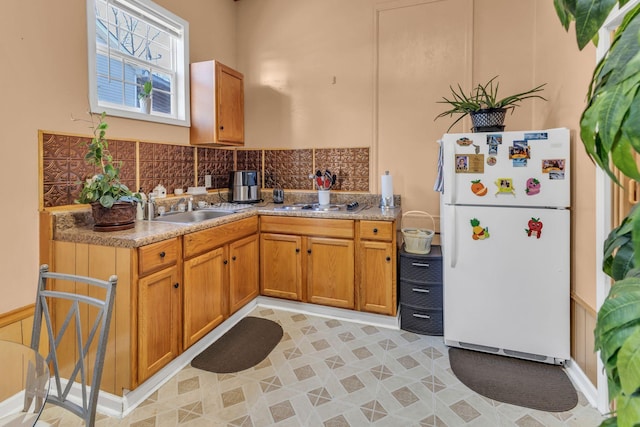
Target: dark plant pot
{"points": [[489, 120], [121, 216]]}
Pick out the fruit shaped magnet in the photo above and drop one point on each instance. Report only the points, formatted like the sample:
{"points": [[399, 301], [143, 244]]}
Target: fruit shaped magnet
{"points": [[535, 227], [479, 233], [505, 186], [478, 188], [533, 187]]}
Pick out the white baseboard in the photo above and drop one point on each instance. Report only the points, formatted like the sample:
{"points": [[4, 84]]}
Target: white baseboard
{"points": [[582, 382]]}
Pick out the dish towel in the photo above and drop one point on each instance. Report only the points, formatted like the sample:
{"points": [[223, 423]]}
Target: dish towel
{"points": [[439, 184]]}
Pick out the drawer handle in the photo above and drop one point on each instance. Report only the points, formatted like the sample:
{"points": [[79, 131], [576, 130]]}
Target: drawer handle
{"points": [[162, 254], [375, 230], [421, 316], [424, 291], [419, 264]]}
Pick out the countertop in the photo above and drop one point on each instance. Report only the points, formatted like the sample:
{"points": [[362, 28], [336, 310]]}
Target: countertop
{"points": [[74, 227]]}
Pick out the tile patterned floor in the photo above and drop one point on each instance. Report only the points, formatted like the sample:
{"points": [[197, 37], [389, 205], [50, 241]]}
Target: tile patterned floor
{"points": [[332, 373]]}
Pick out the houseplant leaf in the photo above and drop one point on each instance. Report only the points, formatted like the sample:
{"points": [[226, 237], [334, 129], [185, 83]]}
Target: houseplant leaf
{"points": [[590, 15], [628, 410], [629, 364]]}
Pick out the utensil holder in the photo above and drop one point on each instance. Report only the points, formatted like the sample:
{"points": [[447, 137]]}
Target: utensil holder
{"points": [[324, 197]]}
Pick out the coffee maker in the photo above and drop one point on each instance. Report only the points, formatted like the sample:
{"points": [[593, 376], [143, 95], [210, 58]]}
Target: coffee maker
{"points": [[243, 187]]}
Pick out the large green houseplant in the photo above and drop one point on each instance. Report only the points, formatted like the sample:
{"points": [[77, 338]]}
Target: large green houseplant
{"points": [[483, 105], [113, 204], [610, 132]]}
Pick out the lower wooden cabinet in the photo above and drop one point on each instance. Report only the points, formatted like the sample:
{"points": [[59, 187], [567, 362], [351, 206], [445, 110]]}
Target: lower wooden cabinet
{"points": [[204, 291], [330, 272], [377, 267], [159, 318], [377, 270], [281, 266], [308, 259], [244, 281]]}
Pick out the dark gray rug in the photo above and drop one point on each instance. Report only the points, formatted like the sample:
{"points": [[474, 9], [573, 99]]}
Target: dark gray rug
{"points": [[519, 382], [245, 345]]}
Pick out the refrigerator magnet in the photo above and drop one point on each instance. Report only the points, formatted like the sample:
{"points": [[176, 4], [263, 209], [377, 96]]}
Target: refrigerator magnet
{"points": [[536, 135], [494, 139], [519, 150], [469, 163], [535, 227], [479, 232], [492, 160], [519, 163], [505, 186], [533, 187], [478, 188], [554, 167], [464, 141]]}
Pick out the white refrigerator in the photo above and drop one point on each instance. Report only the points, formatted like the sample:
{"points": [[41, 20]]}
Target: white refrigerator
{"points": [[505, 225]]}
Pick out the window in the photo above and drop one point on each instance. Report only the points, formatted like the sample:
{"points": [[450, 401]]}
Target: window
{"points": [[132, 42]]}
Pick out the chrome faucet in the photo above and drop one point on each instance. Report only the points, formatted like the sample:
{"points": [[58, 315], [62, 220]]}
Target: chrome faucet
{"points": [[174, 207], [150, 211]]}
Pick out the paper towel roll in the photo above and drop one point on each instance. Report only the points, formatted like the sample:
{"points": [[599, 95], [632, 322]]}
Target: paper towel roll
{"points": [[387, 190]]}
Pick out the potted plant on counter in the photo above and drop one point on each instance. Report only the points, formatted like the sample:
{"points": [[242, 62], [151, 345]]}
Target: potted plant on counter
{"points": [[487, 112], [113, 205], [144, 97]]}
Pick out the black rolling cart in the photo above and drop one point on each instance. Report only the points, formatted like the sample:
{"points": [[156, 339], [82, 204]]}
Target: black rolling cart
{"points": [[421, 292]]}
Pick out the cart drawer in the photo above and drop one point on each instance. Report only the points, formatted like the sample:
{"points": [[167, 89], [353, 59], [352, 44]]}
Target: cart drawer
{"points": [[419, 295], [421, 270], [421, 321]]}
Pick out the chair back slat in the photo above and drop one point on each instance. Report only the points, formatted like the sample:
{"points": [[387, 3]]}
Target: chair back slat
{"points": [[89, 328]]}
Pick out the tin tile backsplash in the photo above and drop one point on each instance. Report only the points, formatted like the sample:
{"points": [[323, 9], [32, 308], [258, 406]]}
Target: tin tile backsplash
{"points": [[182, 166]]}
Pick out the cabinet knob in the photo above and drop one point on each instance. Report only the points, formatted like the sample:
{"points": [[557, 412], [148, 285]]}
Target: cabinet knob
{"points": [[233, 258], [225, 262], [176, 285], [308, 251], [297, 250], [221, 127], [162, 254], [388, 258], [375, 230]]}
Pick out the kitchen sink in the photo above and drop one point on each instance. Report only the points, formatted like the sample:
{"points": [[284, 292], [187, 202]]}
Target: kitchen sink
{"points": [[191, 217]]}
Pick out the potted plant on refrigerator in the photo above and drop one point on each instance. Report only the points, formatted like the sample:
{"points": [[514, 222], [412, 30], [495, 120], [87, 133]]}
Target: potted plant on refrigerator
{"points": [[113, 205], [144, 97], [610, 133], [482, 104]]}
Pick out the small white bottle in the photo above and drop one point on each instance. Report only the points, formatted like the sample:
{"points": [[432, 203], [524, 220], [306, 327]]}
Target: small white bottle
{"points": [[190, 204], [141, 206]]}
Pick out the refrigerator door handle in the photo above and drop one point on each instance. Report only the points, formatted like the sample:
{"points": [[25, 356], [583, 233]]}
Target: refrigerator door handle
{"points": [[454, 238]]}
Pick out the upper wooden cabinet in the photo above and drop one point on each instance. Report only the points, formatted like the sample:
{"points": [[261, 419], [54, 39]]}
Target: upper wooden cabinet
{"points": [[217, 104]]}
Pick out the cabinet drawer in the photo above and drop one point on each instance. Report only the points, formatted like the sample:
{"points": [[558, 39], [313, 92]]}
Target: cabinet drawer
{"points": [[421, 270], [421, 321], [203, 241], [321, 227], [376, 230], [156, 256], [419, 295]]}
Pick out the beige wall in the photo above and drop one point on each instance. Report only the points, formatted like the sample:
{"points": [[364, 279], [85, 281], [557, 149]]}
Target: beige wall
{"points": [[319, 73], [44, 75], [392, 60]]}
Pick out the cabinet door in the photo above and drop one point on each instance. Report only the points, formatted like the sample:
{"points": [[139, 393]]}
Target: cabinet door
{"points": [[158, 321], [377, 278], [280, 266], [244, 284], [330, 272], [230, 109], [204, 297]]}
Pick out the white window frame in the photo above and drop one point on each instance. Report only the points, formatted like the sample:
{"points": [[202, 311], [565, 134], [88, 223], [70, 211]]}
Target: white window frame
{"points": [[153, 13]]}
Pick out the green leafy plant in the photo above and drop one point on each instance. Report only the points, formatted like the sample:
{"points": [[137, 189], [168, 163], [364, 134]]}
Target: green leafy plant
{"points": [[483, 97], [610, 133], [105, 186], [145, 93]]}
